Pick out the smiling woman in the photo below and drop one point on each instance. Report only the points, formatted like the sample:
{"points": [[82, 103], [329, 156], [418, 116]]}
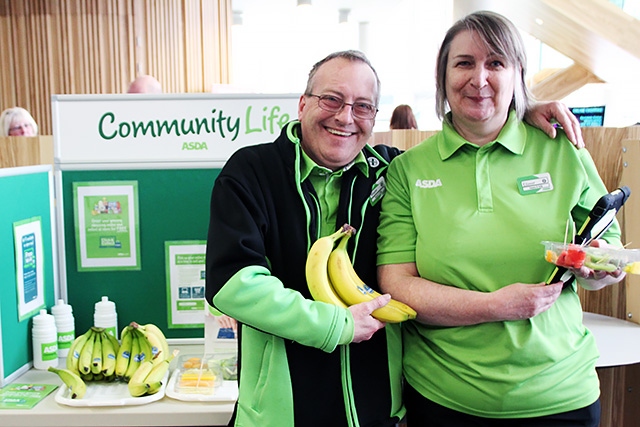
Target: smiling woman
{"points": [[17, 121]]}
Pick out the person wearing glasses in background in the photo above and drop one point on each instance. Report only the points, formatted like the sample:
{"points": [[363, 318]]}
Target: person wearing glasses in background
{"points": [[303, 362], [17, 121]]}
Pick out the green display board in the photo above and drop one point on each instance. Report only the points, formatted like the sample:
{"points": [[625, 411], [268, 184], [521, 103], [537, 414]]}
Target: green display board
{"points": [[25, 193], [173, 205]]}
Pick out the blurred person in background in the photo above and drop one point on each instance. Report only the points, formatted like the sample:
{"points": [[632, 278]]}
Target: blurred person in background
{"points": [[17, 121], [145, 84], [403, 118]]}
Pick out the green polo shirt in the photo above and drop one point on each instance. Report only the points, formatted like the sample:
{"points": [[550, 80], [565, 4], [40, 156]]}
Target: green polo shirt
{"points": [[473, 218], [327, 184]]}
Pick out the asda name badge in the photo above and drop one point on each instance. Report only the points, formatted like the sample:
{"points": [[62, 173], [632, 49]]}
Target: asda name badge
{"points": [[534, 184]]}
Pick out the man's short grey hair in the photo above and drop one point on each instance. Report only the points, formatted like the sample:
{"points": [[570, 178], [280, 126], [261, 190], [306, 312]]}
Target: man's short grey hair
{"points": [[350, 55]]}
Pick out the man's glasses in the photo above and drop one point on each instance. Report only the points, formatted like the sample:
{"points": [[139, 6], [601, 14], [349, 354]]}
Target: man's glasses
{"points": [[333, 104]]}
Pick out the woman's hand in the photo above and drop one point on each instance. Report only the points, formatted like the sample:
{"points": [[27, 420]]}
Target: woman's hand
{"points": [[541, 115], [593, 280]]}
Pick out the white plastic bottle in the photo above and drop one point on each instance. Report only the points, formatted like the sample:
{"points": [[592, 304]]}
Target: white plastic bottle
{"points": [[65, 324], [45, 341], [105, 316]]}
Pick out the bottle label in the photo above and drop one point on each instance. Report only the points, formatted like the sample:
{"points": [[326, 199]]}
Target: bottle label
{"points": [[65, 339], [49, 351]]}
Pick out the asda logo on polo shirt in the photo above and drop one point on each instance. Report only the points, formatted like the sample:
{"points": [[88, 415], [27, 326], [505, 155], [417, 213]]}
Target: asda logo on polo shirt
{"points": [[428, 183]]}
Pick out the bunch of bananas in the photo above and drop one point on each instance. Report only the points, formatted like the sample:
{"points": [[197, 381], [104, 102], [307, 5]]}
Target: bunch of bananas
{"points": [[137, 344], [98, 356], [92, 357], [332, 279]]}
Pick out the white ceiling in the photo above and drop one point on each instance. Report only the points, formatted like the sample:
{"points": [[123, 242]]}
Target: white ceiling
{"points": [[361, 10], [277, 44]]}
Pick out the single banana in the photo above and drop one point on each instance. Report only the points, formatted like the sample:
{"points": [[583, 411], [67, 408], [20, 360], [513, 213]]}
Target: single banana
{"points": [[137, 389], [157, 335], [353, 290], [74, 351], [114, 342], [96, 355], [108, 355], [153, 381], [124, 354], [146, 351], [134, 360], [86, 355], [137, 385], [77, 387], [316, 272]]}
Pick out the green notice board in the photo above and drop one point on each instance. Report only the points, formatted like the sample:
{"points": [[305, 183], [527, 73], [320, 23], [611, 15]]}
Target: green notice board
{"points": [[25, 193], [173, 205]]}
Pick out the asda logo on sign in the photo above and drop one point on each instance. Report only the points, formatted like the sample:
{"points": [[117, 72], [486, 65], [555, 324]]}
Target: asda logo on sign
{"points": [[194, 146]]}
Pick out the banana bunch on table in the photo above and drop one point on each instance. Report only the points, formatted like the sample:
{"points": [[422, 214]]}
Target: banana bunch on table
{"points": [[331, 278], [141, 358]]}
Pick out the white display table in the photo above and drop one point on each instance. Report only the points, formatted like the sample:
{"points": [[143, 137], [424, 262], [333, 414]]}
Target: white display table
{"points": [[164, 412], [618, 340]]}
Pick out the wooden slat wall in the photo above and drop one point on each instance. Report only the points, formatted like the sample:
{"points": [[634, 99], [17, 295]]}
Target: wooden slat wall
{"points": [[98, 46], [26, 151]]}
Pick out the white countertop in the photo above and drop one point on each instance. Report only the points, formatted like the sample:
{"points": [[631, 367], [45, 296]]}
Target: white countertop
{"points": [[164, 412], [618, 340]]}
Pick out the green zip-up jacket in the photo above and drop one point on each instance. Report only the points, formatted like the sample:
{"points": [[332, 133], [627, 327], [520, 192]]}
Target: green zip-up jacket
{"points": [[294, 367]]}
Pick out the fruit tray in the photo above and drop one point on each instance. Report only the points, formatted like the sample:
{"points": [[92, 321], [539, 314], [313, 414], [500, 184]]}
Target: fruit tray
{"points": [[227, 391], [570, 255], [108, 394]]}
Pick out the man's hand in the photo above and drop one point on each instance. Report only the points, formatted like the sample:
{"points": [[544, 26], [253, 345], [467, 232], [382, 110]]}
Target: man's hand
{"points": [[365, 324], [541, 114]]}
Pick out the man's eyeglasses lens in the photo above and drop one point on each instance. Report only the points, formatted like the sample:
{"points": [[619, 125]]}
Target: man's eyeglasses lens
{"points": [[333, 104]]}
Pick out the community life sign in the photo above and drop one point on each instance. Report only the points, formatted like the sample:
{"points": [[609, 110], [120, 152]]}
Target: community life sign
{"points": [[133, 128]]}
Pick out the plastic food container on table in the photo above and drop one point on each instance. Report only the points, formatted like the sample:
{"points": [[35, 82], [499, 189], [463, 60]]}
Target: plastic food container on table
{"points": [[205, 377], [607, 259]]}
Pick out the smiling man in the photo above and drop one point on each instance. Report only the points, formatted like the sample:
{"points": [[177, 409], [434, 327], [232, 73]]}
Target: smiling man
{"points": [[299, 361], [304, 362]]}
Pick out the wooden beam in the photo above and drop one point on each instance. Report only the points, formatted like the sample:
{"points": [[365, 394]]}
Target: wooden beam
{"points": [[563, 82]]}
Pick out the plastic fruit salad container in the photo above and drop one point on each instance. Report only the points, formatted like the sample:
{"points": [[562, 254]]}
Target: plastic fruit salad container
{"points": [[569, 255]]}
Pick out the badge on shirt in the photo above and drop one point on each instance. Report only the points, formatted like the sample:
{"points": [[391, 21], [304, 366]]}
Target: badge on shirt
{"points": [[534, 184], [378, 190]]}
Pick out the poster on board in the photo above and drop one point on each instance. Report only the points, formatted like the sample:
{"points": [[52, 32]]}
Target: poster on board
{"points": [[164, 128], [106, 223], [185, 271], [29, 266]]}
